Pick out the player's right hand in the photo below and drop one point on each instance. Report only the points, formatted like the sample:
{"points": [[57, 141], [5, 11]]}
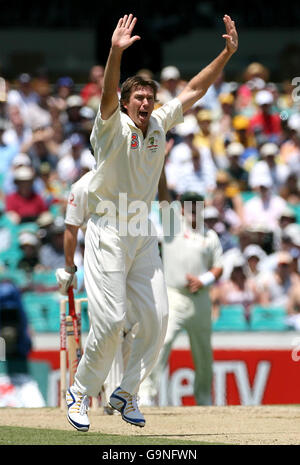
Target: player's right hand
{"points": [[65, 280], [121, 38]]}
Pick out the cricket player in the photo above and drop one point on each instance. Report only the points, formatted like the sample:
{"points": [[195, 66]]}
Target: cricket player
{"points": [[77, 215], [128, 140], [193, 261]]}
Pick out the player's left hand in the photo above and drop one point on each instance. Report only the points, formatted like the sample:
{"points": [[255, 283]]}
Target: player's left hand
{"points": [[193, 283], [231, 35]]}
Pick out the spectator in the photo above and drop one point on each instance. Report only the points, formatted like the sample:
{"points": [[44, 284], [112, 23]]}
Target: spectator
{"points": [[64, 87], [274, 285], [192, 165], [73, 116], [212, 221], [293, 305], [94, 87], [7, 151], [38, 148], [265, 124], [23, 96], [29, 245], [45, 222], [51, 254], [233, 199], [270, 165], [213, 142], [238, 174], [211, 101], [291, 234], [171, 84], [24, 205], [53, 190], [242, 134], [87, 120], [254, 254], [255, 77], [57, 102], [9, 185], [266, 208], [237, 290], [288, 217], [199, 176], [227, 214], [19, 133], [227, 112], [180, 154], [290, 190], [70, 165], [290, 148], [6, 234]]}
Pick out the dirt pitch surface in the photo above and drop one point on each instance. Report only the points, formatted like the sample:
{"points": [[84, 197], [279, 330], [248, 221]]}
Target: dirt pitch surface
{"points": [[264, 425]]}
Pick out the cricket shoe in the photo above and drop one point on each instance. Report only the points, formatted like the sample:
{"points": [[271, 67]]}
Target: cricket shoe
{"points": [[126, 404], [77, 409]]}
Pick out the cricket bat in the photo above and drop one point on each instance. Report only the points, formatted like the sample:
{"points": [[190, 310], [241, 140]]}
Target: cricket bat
{"points": [[73, 331], [63, 355]]}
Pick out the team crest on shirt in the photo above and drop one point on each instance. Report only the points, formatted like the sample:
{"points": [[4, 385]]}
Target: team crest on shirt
{"points": [[152, 144], [134, 140]]}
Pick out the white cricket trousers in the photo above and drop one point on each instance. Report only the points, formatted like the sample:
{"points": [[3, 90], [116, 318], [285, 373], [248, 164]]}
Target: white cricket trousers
{"points": [[192, 313], [117, 268]]}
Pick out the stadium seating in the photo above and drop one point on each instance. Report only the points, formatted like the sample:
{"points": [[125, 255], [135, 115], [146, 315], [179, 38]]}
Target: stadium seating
{"points": [[46, 278], [17, 277], [231, 318], [247, 195], [267, 318], [296, 210], [42, 310]]}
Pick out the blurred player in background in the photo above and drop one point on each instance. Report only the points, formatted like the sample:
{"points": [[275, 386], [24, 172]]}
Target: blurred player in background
{"points": [[192, 258]]}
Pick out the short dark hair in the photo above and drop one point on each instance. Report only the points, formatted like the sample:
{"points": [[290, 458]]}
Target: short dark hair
{"points": [[131, 84]]}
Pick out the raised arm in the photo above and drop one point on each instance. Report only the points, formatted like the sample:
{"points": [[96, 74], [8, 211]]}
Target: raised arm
{"points": [[121, 39], [198, 85]]}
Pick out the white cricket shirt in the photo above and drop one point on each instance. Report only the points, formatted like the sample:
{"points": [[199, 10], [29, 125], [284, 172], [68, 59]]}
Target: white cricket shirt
{"points": [[126, 162], [77, 213], [188, 251]]}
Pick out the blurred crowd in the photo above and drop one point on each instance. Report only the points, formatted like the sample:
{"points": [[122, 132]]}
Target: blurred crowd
{"points": [[239, 147]]}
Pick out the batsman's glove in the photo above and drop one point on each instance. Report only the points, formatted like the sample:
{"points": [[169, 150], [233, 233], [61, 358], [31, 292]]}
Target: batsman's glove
{"points": [[65, 280]]}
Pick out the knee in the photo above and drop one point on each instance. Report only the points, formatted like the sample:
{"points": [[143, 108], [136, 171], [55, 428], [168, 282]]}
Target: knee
{"points": [[109, 329]]}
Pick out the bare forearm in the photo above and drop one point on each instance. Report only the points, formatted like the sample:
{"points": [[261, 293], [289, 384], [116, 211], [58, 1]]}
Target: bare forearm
{"points": [[208, 75], [121, 39], [70, 243], [163, 192], [112, 71], [198, 85], [109, 101]]}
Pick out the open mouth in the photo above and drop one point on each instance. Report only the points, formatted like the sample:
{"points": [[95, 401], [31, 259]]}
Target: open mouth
{"points": [[143, 114]]}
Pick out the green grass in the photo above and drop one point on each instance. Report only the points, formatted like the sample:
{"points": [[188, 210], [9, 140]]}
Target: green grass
{"points": [[14, 435]]}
